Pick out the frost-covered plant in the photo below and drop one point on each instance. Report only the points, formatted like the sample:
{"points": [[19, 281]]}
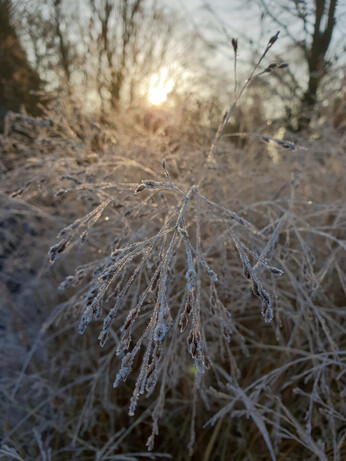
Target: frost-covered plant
{"points": [[277, 390], [140, 275]]}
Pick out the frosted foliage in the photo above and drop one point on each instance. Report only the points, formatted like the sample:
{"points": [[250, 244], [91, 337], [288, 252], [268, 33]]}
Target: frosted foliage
{"points": [[183, 268]]}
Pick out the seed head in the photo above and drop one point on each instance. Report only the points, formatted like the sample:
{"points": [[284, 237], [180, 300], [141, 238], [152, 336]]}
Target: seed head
{"points": [[271, 67], [273, 39], [139, 189], [58, 248], [235, 44]]}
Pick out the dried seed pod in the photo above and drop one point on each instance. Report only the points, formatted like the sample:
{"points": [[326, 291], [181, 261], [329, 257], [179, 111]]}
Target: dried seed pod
{"points": [[246, 266], [125, 369], [235, 44], [90, 296], [159, 332], [276, 271], [189, 302], [191, 278], [265, 297], [285, 144], [60, 192], [131, 317], [67, 282], [124, 342], [103, 336], [194, 342], [64, 231], [246, 272], [268, 314], [211, 274], [96, 308], [273, 39], [149, 184], [256, 289], [139, 189], [151, 369], [55, 249], [183, 321]]}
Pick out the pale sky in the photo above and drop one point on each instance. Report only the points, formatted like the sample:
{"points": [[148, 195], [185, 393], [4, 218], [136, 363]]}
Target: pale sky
{"points": [[242, 18]]}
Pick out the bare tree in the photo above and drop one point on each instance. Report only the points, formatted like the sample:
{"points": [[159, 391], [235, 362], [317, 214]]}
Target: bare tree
{"points": [[317, 23], [108, 53], [63, 45], [119, 28], [46, 31], [316, 55]]}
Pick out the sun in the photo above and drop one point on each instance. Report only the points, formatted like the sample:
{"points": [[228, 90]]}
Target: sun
{"points": [[157, 95], [159, 87]]}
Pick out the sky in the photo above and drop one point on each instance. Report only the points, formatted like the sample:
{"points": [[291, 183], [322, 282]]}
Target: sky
{"points": [[241, 18]]}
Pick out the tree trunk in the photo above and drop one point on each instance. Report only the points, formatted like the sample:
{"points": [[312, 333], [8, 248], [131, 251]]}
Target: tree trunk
{"points": [[316, 59], [65, 59], [17, 78]]}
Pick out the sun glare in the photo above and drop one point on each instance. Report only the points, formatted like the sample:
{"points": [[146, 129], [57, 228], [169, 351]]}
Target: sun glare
{"points": [[159, 87]]}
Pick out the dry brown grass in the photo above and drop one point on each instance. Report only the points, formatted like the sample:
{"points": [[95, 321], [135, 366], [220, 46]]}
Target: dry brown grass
{"points": [[230, 386]]}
